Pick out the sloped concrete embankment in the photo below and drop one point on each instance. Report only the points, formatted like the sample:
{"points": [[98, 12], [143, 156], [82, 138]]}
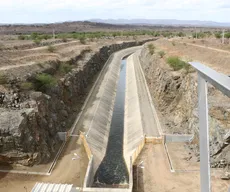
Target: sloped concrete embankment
{"points": [[133, 129], [28, 135], [99, 128]]}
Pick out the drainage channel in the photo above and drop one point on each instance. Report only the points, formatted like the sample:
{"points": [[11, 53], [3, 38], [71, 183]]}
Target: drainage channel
{"points": [[113, 170]]}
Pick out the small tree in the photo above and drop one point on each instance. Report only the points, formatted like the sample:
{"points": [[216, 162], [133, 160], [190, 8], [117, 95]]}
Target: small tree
{"points": [[26, 86], [22, 37], [64, 39], [82, 40], [3, 79], [37, 41], [64, 68], [181, 34], [151, 48], [34, 36], [51, 48], [176, 63], [227, 35], [161, 54], [44, 81], [218, 35]]}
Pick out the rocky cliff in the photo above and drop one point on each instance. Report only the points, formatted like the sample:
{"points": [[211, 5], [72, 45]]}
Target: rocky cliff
{"points": [[175, 95], [31, 119]]}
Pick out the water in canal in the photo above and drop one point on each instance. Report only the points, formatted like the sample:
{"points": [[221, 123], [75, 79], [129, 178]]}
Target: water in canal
{"points": [[112, 169]]}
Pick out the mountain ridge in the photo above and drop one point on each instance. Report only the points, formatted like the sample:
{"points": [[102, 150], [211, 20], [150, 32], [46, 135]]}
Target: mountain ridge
{"points": [[172, 22]]}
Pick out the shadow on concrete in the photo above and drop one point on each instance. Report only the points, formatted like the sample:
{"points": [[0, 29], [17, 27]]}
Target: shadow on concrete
{"points": [[138, 183], [4, 166]]}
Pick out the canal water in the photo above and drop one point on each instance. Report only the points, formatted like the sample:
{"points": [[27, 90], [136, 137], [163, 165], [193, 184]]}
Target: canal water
{"points": [[112, 169]]}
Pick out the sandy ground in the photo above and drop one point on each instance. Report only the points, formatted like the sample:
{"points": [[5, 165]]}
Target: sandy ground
{"points": [[154, 174], [215, 58], [181, 159], [208, 42], [186, 161], [69, 169], [63, 51]]}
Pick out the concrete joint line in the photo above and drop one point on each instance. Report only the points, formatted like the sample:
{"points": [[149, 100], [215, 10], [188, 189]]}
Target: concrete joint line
{"points": [[90, 94], [106, 81], [151, 101], [139, 108], [169, 158]]}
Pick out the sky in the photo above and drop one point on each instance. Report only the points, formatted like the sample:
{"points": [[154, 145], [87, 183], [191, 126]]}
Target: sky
{"points": [[49, 11]]}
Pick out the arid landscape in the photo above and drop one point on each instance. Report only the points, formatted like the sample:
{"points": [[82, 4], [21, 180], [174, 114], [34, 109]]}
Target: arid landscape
{"points": [[53, 78]]}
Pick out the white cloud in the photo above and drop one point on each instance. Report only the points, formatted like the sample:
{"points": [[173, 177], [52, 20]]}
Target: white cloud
{"points": [[85, 9]]}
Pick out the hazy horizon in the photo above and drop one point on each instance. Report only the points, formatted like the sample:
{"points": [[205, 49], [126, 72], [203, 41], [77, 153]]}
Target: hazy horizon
{"points": [[51, 11], [110, 19]]}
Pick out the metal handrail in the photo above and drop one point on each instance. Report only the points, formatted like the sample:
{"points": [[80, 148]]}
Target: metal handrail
{"points": [[218, 80], [222, 83]]}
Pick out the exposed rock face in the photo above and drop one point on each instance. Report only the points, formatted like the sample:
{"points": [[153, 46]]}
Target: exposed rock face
{"points": [[31, 120], [175, 96]]}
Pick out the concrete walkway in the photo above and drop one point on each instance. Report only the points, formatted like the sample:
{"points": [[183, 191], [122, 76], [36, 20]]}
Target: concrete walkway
{"points": [[149, 121]]}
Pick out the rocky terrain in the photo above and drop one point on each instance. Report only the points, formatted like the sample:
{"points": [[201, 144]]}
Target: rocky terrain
{"points": [[175, 96], [32, 115]]}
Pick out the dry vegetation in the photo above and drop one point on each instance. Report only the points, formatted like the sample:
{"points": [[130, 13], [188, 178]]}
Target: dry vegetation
{"points": [[30, 49]]}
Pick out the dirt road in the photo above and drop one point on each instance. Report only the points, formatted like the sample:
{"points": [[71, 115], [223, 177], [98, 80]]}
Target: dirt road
{"points": [[155, 176], [211, 48], [217, 59]]}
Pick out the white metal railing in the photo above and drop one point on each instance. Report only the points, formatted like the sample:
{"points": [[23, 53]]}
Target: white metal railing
{"points": [[222, 83]]}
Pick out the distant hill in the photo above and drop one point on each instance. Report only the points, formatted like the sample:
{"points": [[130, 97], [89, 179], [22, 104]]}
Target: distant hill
{"points": [[167, 22], [66, 27], [105, 25]]}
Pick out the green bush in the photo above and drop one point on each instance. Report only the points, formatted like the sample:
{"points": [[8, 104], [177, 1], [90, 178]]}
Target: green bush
{"points": [[45, 36], [44, 81], [37, 41], [64, 39], [51, 48], [34, 36], [88, 49], [227, 35], [173, 43], [22, 37], [151, 48], [82, 40], [157, 34], [161, 54], [181, 34], [177, 64], [218, 35], [167, 34], [65, 68], [26, 86], [199, 35], [3, 79]]}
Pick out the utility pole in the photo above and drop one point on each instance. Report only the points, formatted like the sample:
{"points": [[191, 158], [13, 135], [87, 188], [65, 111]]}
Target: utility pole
{"points": [[223, 34], [196, 32], [53, 34]]}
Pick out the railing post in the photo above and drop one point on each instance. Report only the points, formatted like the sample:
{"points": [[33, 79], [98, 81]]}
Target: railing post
{"points": [[204, 135]]}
